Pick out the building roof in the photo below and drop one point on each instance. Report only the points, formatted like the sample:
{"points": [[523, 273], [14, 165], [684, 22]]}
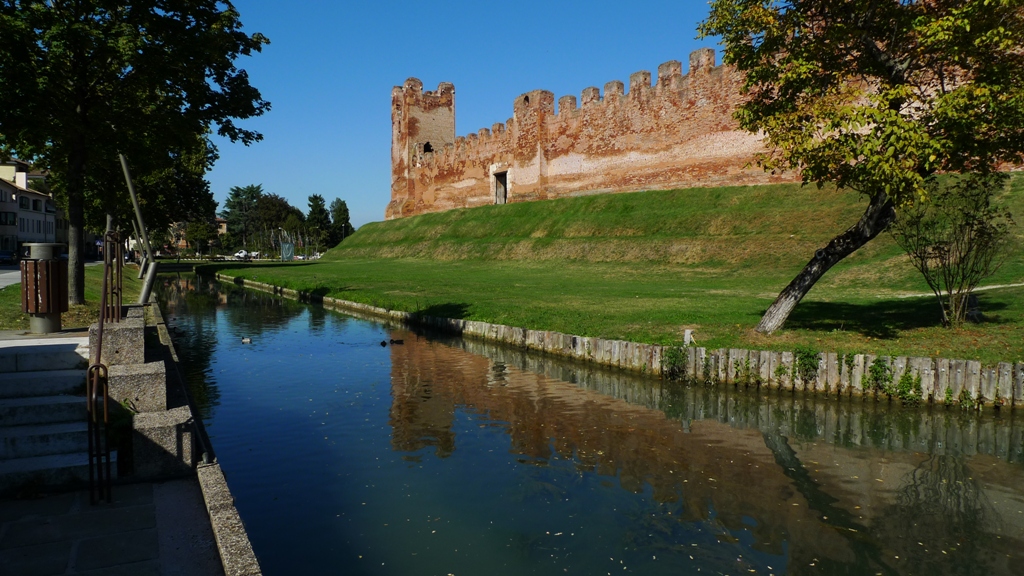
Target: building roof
{"points": [[20, 190], [15, 161]]}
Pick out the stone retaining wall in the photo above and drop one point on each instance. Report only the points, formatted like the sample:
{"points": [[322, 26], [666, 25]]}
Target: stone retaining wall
{"points": [[942, 379], [813, 418], [167, 439]]}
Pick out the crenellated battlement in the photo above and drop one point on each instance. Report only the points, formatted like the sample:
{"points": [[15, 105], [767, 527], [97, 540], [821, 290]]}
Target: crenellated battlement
{"points": [[670, 78], [673, 130]]}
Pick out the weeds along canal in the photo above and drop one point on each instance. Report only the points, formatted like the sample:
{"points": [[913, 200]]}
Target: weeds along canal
{"points": [[448, 456]]}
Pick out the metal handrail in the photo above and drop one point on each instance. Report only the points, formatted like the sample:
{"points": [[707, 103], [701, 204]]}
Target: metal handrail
{"points": [[113, 273], [97, 392]]}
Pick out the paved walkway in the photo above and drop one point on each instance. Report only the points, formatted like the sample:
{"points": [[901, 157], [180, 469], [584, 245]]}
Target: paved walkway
{"points": [[150, 529], [9, 274]]}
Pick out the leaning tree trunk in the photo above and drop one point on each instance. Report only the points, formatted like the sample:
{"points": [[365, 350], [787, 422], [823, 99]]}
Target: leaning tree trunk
{"points": [[879, 213]]}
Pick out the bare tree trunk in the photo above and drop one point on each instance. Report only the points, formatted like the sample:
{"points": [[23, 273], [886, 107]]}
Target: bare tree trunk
{"points": [[76, 223], [879, 213]]}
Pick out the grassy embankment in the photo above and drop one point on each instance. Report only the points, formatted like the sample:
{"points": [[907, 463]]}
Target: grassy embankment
{"points": [[12, 318], [648, 265]]}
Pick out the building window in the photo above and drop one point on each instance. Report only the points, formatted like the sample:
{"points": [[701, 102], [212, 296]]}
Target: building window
{"points": [[21, 224], [23, 202], [37, 205]]}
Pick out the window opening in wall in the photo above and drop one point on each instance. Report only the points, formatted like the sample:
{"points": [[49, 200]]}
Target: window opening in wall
{"points": [[427, 148], [526, 99], [500, 187]]}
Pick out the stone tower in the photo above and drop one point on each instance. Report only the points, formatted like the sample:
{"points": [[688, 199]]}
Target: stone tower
{"points": [[421, 123]]}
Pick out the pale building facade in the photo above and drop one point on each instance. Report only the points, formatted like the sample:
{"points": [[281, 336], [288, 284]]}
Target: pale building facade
{"points": [[27, 215]]}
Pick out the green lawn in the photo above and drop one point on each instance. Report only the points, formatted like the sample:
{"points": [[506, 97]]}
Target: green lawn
{"points": [[12, 318], [646, 266]]}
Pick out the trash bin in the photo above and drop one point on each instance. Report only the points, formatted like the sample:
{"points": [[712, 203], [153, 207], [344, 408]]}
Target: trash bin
{"points": [[44, 287]]}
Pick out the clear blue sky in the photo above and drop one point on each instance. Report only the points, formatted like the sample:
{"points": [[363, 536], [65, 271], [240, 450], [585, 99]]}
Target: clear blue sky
{"points": [[330, 67]]}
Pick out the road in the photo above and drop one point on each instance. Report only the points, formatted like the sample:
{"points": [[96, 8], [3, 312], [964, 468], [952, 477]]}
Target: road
{"points": [[11, 273]]}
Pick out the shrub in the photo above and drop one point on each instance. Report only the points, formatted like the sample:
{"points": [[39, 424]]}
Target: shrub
{"points": [[879, 377]]}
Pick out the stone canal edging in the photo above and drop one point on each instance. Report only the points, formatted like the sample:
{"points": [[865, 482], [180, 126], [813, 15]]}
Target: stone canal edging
{"points": [[236, 553], [939, 380]]}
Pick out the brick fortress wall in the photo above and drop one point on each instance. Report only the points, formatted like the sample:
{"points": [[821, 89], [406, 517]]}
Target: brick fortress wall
{"points": [[677, 133]]}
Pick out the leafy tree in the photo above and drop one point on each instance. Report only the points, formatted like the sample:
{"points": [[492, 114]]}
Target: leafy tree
{"points": [[341, 228], [227, 240], [318, 221], [875, 96], [294, 225], [240, 211], [273, 212], [318, 217], [171, 188], [81, 81], [199, 234], [956, 239]]}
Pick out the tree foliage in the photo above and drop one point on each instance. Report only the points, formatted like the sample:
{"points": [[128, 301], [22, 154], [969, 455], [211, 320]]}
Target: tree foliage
{"points": [[199, 234], [273, 211], [240, 211], [957, 238], [81, 81], [341, 228], [875, 96], [175, 192], [318, 220]]}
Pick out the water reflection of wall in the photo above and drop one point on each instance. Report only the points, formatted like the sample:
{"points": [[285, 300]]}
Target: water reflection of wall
{"points": [[786, 468], [936, 430]]}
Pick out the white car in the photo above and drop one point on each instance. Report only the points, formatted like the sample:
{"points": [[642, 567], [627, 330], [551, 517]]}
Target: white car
{"points": [[242, 255]]}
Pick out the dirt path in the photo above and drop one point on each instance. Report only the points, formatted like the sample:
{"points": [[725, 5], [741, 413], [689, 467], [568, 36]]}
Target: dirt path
{"points": [[979, 289]]}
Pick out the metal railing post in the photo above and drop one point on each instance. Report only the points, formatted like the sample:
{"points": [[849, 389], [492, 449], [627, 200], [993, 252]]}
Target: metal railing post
{"points": [[147, 286], [97, 392], [138, 216]]}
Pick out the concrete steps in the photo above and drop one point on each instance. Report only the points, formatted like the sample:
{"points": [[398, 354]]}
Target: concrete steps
{"points": [[42, 383], [30, 355], [41, 410], [43, 439], [43, 431], [50, 470]]}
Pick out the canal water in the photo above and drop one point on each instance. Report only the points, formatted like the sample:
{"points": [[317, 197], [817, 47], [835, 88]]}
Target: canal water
{"points": [[348, 454]]}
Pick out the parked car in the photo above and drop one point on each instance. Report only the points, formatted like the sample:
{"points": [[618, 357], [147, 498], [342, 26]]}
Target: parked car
{"points": [[242, 255], [7, 257]]}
